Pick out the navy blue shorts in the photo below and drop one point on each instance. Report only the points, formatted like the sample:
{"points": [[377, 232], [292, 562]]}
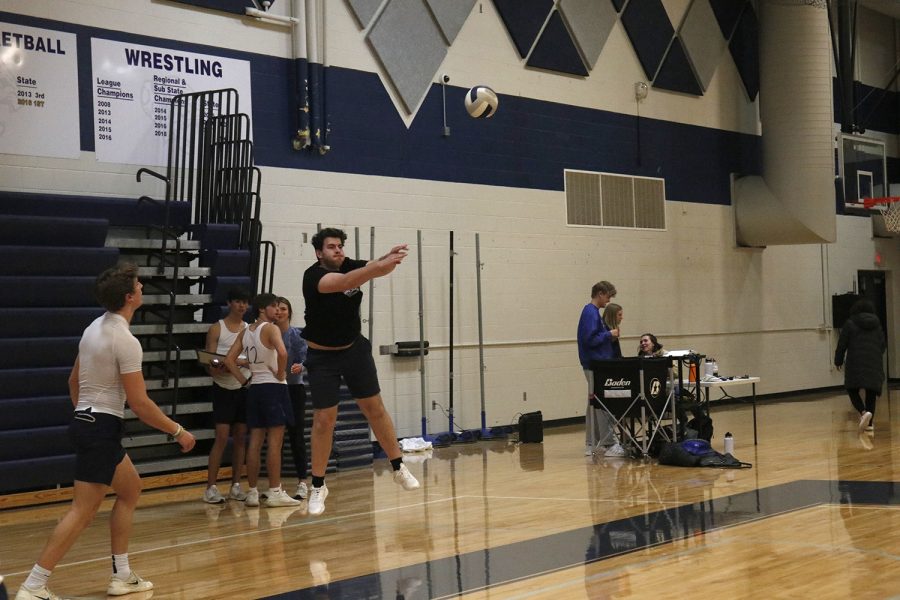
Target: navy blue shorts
{"points": [[269, 405], [229, 406], [325, 368], [97, 438]]}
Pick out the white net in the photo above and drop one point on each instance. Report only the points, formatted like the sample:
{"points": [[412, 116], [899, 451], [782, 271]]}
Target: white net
{"points": [[892, 217]]}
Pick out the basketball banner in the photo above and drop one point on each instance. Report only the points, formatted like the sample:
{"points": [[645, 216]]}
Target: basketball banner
{"points": [[38, 92]]}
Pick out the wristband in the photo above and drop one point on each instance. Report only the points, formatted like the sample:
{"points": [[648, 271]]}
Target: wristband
{"points": [[177, 433]]}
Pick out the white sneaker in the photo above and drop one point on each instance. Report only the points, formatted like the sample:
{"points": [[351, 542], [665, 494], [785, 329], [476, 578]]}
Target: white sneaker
{"points": [[588, 450], [864, 420], [317, 499], [302, 491], [235, 493], [41, 594], [405, 478], [252, 498], [212, 495], [280, 498], [870, 428], [120, 587], [616, 450]]}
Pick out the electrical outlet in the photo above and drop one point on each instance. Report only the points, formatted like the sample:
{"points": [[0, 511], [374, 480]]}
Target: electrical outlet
{"points": [[433, 405], [524, 396]]}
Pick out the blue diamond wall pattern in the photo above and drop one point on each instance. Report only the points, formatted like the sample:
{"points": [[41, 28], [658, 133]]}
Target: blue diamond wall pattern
{"points": [[555, 50]]}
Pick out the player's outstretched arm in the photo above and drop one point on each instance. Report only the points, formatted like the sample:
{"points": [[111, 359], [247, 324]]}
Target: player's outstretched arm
{"points": [[340, 282]]}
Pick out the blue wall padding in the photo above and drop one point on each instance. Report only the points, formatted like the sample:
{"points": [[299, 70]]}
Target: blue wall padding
{"points": [[744, 48], [523, 20], [35, 443], [25, 383], [46, 291], [226, 262], [727, 13], [22, 230], [35, 322], [232, 6], [555, 50], [118, 211], [25, 413], [877, 109], [650, 31], [20, 353], [19, 475], [216, 236], [48, 260], [676, 73], [219, 286]]}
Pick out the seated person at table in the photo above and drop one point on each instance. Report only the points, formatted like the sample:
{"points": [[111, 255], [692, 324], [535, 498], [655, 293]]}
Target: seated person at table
{"points": [[649, 346]]}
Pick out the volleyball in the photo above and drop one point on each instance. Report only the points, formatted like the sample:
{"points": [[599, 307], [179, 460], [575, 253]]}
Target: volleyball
{"points": [[481, 102]]}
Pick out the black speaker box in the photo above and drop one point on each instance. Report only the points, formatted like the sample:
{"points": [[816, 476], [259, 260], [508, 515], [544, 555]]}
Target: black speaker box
{"points": [[531, 428]]}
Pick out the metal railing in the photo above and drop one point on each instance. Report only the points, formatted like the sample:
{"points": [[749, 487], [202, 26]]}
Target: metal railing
{"points": [[210, 164]]}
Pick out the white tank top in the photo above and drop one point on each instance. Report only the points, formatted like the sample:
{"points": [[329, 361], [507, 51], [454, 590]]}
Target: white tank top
{"points": [[226, 340], [263, 361]]}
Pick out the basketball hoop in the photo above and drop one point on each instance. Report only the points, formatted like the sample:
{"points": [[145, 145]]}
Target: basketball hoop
{"points": [[890, 209]]}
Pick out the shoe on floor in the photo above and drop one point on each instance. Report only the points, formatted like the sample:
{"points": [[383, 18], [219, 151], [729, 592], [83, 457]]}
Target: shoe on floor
{"points": [[120, 587], [866, 442], [317, 500], [616, 450], [405, 478], [212, 495], [588, 450], [40, 594], [280, 498], [235, 493], [252, 498], [302, 491], [865, 420]]}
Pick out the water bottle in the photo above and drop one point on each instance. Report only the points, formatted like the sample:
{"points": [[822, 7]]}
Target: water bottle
{"points": [[729, 443], [715, 368]]}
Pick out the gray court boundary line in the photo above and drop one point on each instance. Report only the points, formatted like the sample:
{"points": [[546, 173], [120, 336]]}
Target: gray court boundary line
{"points": [[783, 497], [633, 550]]}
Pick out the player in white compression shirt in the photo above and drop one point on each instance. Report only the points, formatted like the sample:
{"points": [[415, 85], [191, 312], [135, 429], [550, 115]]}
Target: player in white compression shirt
{"points": [[106, 375], [107, 349]]}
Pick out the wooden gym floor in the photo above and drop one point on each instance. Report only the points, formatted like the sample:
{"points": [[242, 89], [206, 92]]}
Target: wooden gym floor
{"points": [[818, 515]]}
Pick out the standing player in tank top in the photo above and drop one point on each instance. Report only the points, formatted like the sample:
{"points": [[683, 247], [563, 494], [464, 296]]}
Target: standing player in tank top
{"points": [[268, 403], [229, 399]]}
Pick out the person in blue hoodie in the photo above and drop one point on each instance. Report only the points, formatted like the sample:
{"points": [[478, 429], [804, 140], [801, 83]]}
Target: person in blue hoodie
{"points": [[596, 341]]}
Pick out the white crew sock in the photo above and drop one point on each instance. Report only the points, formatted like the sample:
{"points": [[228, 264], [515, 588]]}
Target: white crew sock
{"points": [[37, 578], [121, 568]]}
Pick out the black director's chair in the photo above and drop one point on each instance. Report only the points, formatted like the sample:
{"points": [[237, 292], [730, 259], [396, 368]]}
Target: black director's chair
{"points": [[632, 391]]}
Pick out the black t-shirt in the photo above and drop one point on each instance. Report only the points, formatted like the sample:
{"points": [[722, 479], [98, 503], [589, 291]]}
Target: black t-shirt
{"points": [[331, 319]]}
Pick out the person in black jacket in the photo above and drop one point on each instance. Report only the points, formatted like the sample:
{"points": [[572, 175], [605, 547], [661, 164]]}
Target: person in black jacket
{"points": [[862, 341]]}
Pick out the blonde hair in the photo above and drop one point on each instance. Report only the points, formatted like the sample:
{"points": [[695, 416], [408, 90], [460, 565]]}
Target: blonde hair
{"points": [[611, 315]]}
